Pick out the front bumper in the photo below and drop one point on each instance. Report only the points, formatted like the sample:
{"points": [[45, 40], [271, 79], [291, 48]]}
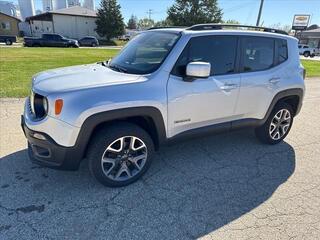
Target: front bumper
{"points": [[48, 153]]}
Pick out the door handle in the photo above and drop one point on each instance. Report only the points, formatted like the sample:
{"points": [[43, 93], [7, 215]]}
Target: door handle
{"points": [[274, 80], [228, 86]]}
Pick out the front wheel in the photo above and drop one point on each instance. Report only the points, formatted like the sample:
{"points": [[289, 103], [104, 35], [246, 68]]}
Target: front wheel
{"points": [[306, 54], [120, 154], [8, 42], [277, 126]]}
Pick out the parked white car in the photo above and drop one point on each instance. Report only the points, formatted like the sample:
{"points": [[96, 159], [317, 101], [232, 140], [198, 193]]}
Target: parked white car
{"points": [[308, 51], [165, 85]]}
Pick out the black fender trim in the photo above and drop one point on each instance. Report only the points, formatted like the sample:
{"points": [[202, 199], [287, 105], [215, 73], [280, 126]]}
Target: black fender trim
{"points": [[280, 95], [93, 121]]}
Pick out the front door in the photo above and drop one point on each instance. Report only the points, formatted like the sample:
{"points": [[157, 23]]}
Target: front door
{"points": [[209, 101]]}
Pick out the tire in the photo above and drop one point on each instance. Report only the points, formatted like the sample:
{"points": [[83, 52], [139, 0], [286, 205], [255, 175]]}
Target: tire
{"points": [[122, 164], [93, 45], [8, 42], [267, 133], [306, 54]]}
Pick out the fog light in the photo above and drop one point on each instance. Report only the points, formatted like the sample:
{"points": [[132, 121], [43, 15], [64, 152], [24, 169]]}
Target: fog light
{"points": [[39, 136]]}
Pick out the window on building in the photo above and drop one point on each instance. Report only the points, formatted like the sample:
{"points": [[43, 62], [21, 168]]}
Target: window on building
{"points": [[5, 25]]}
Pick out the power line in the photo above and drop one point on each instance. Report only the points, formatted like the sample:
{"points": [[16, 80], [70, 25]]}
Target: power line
{"points": [[150, 12]]}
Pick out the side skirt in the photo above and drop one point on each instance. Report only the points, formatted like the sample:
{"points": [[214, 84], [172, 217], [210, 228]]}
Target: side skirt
{"points": [[214, 129]]}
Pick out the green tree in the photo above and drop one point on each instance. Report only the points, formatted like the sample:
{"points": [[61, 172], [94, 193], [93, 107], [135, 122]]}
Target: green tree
{"points": [[163, 23], [231, 21], [133, 22], [110, 21], [145, 23], [190, 12]]}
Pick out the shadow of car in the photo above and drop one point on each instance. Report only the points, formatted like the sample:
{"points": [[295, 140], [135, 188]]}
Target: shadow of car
{"points": [[192, 189]]}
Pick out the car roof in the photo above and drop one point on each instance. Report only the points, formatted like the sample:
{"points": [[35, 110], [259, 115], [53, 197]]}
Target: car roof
{"points": [[221, 29], [222, 32]]}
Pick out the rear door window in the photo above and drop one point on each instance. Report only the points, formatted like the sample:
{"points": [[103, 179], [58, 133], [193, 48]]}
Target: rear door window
{"points": [[257, 53]]}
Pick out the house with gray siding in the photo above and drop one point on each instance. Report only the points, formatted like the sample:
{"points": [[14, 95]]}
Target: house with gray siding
{"points": [[73, 22]]}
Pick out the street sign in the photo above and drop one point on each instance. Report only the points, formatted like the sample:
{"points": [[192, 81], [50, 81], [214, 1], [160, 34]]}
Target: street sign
{"points": [[300, 22]]}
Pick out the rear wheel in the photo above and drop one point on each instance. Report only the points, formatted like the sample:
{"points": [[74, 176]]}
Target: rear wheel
{"points": [[93, 45], [120, 154], [306, 54], [277, 126]]}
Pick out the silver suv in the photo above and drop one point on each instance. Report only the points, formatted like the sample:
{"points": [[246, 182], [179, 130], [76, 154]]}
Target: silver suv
{"points": [[165, 85]]}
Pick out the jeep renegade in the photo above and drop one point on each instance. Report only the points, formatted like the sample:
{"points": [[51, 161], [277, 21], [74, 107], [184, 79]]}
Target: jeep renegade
{"points": [[165, 85]]}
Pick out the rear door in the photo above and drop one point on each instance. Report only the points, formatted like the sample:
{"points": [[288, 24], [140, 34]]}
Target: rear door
{"points": [[260, 76]]}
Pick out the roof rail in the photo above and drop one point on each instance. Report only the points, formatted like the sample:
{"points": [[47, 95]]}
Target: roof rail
{"points": [[217, 26], [168, 27]]}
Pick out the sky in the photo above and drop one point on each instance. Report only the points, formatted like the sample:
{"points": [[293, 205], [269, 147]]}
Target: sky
{"points": [[244, 11]]}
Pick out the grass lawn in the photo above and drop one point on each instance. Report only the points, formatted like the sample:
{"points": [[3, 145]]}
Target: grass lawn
{"points": [[312, 67], [17, 65]]}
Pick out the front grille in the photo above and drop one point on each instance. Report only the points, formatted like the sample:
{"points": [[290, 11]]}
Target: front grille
{"points": [[29, 109]]}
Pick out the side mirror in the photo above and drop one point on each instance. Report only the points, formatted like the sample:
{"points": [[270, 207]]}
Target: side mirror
{"points": [[198, 70]]}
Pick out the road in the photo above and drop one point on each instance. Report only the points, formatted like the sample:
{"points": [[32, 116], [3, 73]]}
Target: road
{"points": [[227, 186]]}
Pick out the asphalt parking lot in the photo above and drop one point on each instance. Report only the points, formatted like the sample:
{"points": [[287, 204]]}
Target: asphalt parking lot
{"points": [[227, 186]]}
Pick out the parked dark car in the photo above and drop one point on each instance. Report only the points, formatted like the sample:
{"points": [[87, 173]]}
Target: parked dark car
{"points": [[8, 40], [50, 40], [89, 41]]}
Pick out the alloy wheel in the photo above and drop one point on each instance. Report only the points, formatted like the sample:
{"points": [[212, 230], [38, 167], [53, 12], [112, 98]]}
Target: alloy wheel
{"points": [[280, 124], [124, 158]]}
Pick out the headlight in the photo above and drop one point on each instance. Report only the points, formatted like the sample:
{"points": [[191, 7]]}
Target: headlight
{"points": [[45, 104], [39, 105]]}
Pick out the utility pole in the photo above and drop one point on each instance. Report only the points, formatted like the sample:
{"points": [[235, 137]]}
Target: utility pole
{"points": [[149, 12], [259, 15]]}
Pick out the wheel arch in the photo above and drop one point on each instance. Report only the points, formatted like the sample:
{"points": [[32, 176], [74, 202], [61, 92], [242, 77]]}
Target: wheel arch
{"points": [[290, 96], [148, 118]]}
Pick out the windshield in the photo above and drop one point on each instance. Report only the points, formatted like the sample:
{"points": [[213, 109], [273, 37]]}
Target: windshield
{"points": [[145, 53]]}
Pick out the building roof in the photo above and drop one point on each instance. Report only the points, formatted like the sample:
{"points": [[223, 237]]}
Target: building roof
{"points": [[70, 11], [75, 11], [315, 33], [15, 18]]}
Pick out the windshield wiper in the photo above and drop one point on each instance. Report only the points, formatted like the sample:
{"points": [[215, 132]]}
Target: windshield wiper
{"points": [[104, 63], [118, 68]]}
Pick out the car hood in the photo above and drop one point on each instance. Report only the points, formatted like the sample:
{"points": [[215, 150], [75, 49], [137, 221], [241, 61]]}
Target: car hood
{"points": [[80, 77]]}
